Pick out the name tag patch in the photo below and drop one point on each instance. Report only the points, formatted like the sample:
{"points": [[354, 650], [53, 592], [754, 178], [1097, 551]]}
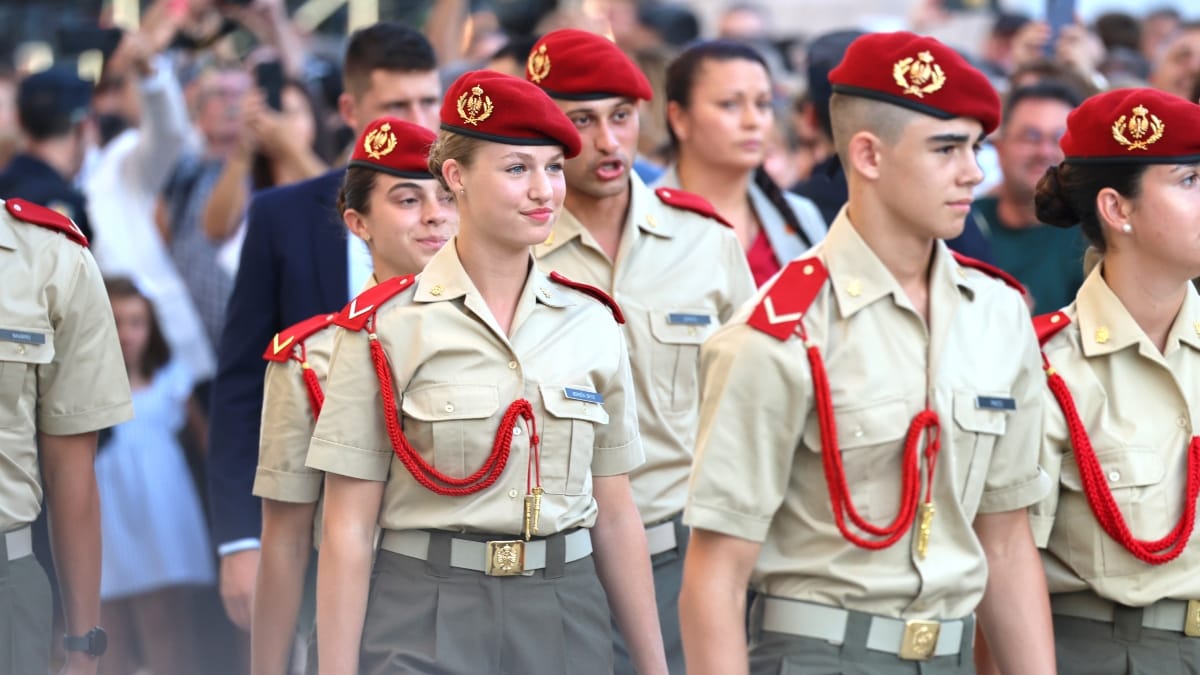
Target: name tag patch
{"points": [[995, 403], [22, 337], [583, 395], [689, 319]]}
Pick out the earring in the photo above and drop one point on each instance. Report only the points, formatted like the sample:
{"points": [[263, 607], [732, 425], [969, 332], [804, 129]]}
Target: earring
{"points": [[1127, 228]]}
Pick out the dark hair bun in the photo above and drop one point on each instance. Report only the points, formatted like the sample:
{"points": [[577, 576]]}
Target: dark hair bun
{"points": [[1053, 207]]}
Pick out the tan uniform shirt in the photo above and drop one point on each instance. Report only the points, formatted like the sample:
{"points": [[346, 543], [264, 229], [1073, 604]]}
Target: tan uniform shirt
{"points": [[287, 425], [456, 373], [61, 369], [758, 472], [1140, 408], [678, 275]]}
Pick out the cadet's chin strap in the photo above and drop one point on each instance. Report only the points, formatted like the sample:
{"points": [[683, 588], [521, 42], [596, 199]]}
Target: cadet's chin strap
{"points": [[1100, 498], [316, 397], [835, 472], [424, 472]]}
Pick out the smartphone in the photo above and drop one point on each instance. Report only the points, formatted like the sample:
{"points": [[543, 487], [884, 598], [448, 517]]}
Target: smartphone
{"points": [[269, 75], [1059, 13], [78, 40]]}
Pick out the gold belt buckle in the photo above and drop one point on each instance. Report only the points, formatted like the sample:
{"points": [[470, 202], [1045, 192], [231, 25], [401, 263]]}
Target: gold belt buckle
{"points": [[1191, 624], [920, 639], [505, 558]]}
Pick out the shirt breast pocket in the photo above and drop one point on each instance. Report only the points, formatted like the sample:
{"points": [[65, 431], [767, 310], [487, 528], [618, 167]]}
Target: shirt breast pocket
{"points": [[1134, 475], [675, 361], [871, 441], [453, 419], [979, 421], [568, 434], [21, 352]]}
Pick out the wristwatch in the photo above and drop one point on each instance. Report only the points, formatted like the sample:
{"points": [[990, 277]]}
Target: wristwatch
{"points": [[93, 643]]}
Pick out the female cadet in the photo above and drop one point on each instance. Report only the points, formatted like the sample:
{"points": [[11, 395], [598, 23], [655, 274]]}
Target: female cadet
{"points": [[1123, 366], [390, 201], [498, 457], [720, 116]]}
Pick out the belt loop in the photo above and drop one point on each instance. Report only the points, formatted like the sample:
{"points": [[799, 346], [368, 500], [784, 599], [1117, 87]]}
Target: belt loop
{"points": [[854, 643], [556, 556], [3, 561], [754, 616], [682, 533], [966, 646], [1127, 623], [437, 561]]}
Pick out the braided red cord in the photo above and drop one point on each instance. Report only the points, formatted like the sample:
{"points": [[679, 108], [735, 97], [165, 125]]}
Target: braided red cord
{"points": [[316, 397], [423, 471], [1100, 498], [835, 473]]}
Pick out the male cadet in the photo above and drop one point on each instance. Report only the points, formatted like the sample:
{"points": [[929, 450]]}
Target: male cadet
{"points": [[676, 270], [52, 108], [297, 262], [869, 426], [62, 379]]}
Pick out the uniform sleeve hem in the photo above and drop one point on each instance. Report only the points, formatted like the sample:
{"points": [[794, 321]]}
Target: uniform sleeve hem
{"points": [[86, 421], [726, 522], [345, 460], [287, 486], [618, 460], [1018, 496]]}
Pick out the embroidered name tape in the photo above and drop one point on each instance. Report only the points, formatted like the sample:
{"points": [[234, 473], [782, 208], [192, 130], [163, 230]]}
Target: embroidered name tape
{"points": [[22, 337], [583, 395], [689, 319], [995, 403]]}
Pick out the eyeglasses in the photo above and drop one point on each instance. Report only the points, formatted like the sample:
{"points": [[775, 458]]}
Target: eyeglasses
{"points": [[1035, 137]]}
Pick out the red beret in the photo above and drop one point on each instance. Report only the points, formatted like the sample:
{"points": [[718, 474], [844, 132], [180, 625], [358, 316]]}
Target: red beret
{"points": [[1133, 126], [394, 146], [918, 73], [501, 108], [576, 65]]}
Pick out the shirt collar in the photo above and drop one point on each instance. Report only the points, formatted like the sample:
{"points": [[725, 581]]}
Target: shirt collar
{"points": [[641, 218], [1105, 326], [8, 238], [445, 279], [859, 277]]}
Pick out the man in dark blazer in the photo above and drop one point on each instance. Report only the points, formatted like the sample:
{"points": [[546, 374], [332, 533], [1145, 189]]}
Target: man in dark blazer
{"points": [[297, 261]]}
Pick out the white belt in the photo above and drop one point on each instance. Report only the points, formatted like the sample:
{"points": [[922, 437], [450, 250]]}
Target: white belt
{"points": [[1180, 616], [660, 538], [501, 558], [912, 639], [19, 543]]}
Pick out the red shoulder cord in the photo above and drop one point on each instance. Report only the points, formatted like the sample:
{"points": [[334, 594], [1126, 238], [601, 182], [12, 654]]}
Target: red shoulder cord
{"points": [[316, 398], [424, 472], [1100, 498], [925, 423]]}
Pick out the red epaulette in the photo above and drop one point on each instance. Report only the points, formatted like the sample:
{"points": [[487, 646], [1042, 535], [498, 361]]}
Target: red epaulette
{"points": [[990, 270], [280, 348], [29, 212], [1048, 325], [690, 201], [783, 305], [355, 315], [592, 291]]}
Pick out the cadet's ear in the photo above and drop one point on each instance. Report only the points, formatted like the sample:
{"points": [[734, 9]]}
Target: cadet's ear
{"points": [[452, 172], [863, 154], [356, 224], [677, 120], [1113, 210]]}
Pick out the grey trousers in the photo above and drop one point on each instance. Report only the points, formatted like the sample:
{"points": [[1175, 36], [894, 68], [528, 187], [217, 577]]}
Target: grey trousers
{"points": [[429, 618], [668, 578], [26, 615], [783, 654], [1123, 647]]}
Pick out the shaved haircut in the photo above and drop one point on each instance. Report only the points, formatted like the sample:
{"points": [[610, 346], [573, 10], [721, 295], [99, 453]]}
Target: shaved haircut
{"points": [[852, 114]]}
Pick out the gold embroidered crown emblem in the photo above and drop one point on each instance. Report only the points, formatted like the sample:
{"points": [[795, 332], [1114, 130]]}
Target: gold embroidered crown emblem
{"points": [[919, 76], [1144, 128], [380, 142], [538, 64], [474, 106]]}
